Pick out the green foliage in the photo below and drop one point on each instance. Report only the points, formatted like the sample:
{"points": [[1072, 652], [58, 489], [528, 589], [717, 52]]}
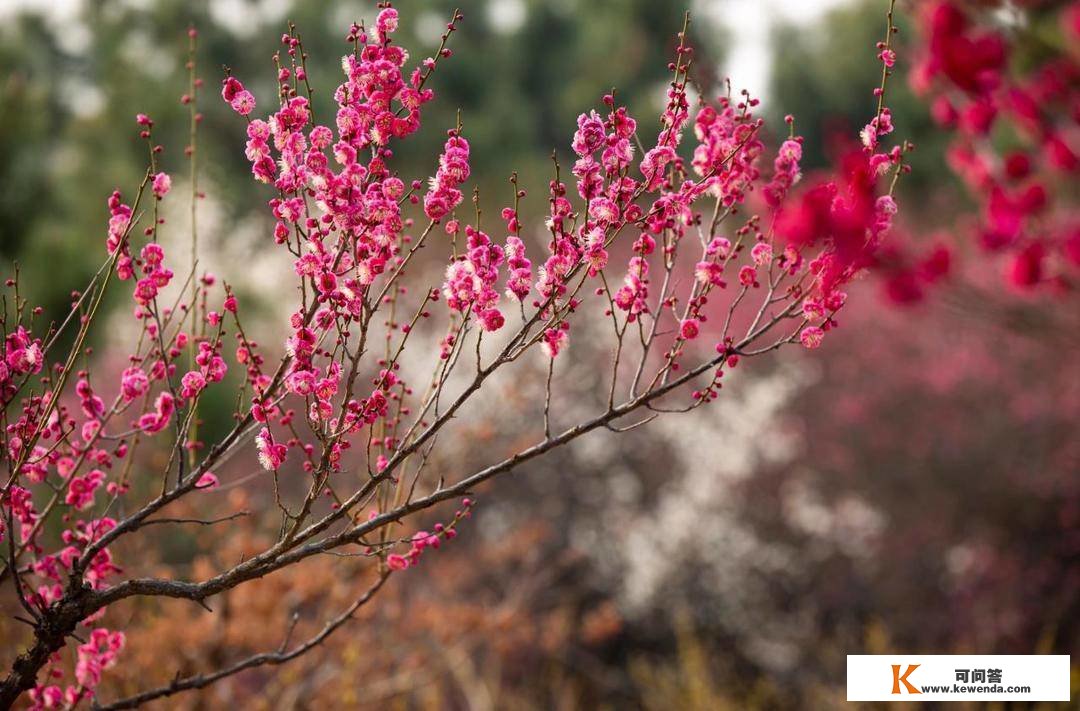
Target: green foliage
{"points": [[825, 74], [67, 125]]}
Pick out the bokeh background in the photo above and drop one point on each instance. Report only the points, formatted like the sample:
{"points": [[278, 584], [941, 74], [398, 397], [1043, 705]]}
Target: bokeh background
{"points": [[914, 489]]}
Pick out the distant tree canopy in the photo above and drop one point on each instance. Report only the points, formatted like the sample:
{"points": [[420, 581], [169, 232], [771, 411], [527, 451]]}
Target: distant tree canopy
{"points": [[67, 104], [827, 86]]}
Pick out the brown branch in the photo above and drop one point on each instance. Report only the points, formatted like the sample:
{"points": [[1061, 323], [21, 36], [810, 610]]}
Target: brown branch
{"points": [[280, 656]]}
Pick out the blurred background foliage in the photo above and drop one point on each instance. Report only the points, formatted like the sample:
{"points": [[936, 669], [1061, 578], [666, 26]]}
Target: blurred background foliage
{"points": [[728, 565], [521, 73], [821, 79]]}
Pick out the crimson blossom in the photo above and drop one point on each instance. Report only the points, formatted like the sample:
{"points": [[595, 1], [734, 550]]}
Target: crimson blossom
{"points": [[1015, 123], [688, 259]]}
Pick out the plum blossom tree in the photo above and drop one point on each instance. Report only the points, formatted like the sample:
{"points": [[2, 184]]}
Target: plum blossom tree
{"points": [[696, 258]]}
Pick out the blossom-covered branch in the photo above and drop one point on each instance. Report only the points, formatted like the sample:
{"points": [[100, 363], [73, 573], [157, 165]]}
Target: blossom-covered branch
{"points": [[686, 256]]}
